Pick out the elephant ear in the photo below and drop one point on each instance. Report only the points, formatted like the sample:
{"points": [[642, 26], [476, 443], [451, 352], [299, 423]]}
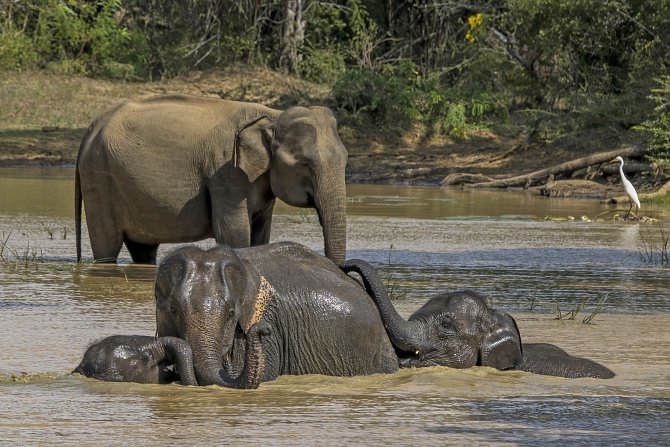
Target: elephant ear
{"points": [[252, 146], [501, 348], [257, 298]]}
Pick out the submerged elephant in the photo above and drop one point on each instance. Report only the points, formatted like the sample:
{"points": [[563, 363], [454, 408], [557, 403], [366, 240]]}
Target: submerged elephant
{"points": [[315, 319], [185, 168], [139, 358], [460, 330]]}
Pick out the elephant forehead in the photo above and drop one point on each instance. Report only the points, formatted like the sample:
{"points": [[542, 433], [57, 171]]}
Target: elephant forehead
{"points": [[457, 304]]}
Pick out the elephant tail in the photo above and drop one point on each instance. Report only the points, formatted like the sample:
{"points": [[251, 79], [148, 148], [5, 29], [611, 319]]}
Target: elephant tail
{"points": [[77, 211], [77, 189]]}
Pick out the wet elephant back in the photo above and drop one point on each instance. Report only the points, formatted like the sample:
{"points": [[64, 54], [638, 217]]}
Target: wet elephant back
{"points": [[326, 321]]}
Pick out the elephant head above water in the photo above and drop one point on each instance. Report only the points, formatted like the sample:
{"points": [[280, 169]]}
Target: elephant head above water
{"points": [[460, 330], [185, 168], [211, 300], [140, 359]]}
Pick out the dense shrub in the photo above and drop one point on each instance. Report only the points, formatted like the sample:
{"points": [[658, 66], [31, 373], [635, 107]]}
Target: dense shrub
{"points": [[658, 126], [399, 98], [16, 50], [554, 66]]}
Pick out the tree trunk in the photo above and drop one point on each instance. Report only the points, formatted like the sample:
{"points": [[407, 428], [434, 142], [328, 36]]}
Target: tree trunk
{"points": [[293, 36]]}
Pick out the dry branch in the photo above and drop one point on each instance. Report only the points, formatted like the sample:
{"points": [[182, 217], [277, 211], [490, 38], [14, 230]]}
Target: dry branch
{"points": [[569, 166], [462, 178]]}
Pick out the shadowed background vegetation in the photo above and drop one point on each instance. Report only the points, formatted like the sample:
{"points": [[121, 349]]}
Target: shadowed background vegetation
{"points": [[437, 68]]}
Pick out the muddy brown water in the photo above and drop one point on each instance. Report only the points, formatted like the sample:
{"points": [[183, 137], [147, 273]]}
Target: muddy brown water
{"points": [[424, 240]]}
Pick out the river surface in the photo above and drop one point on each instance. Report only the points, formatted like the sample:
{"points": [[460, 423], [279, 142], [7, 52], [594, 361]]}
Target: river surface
{"points": [[536, 258]]}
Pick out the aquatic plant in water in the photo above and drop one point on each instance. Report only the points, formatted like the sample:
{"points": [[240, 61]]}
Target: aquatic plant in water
{"points": [[655, 250]]}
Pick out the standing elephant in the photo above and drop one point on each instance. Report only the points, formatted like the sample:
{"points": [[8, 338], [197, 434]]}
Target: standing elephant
{"points": [[185, 168], [138, 358], [460, 330]]}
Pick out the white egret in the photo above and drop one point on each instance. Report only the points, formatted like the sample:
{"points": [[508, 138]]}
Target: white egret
{"points": [[628, 186]]}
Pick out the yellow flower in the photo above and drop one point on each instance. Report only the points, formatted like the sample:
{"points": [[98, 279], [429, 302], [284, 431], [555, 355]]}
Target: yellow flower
{"points": [[469, 37], [475, 20]]}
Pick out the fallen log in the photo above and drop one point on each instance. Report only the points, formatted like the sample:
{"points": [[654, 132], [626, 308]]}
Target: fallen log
{"points": [[569, 166], [663, 190], [462, 178]]}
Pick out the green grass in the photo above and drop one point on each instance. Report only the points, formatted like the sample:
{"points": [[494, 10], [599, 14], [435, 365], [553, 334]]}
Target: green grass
{"points": [[663, 199], [27, 257], [655, 248]]}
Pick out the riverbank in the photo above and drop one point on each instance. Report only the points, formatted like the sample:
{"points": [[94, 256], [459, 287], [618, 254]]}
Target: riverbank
{"points": [[44, 117]]}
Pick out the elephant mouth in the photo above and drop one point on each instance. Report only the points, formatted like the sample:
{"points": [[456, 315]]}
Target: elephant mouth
{"points": [[415, 359], [168, 374]]}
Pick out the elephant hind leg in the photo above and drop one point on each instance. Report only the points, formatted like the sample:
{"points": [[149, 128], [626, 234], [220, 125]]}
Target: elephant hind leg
{"points": [[105, 235], [105, 245], [141, 253]]}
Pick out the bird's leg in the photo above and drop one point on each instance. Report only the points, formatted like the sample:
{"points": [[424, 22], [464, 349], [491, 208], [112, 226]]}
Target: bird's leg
{"points": [[629, 209]]}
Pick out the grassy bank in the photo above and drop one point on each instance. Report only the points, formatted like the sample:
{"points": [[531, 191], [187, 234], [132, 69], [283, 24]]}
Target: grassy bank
{"points": [[43, 115]]}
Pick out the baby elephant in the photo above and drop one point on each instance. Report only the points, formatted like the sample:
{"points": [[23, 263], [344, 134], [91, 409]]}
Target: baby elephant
{"points": [[140, 359]]}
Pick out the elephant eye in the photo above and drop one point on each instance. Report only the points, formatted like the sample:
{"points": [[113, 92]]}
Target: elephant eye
{"points": [[447, 325], [173, 309]]}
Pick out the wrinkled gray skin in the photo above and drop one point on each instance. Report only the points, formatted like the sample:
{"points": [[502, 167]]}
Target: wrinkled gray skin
{"points": [[138, 358], [460, 330], [548, 359], [185, 168], [317, 321]]}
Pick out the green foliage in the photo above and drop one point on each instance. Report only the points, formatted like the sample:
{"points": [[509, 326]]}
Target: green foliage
{"points": [[447, 67], [576, 48], [73, 36], [322, 65], [363, 33], [323, 58], [384, 100], [658, 125], [16, 50], [399, 98]]}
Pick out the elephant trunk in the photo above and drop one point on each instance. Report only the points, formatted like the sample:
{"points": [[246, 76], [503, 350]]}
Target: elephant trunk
{"points": [[208, 363], [330, 199], [405, 335], [178, 351]]}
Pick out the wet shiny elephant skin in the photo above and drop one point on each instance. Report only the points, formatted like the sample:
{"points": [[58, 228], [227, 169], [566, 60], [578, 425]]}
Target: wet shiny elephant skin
{"points": [[140, 359], [184, 168], [460, 330], [311, 317]]}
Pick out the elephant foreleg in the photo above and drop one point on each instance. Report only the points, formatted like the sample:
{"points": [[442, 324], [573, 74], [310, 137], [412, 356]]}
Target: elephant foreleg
{"points": [[231, 227], [261, 224], [230, 213], [141, 253]]}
